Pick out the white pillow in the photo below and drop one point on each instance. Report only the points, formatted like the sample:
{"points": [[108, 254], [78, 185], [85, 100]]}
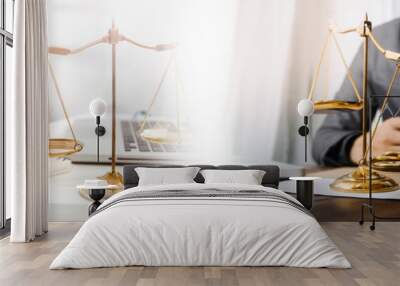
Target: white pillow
{"points": [[248, 177], [163, 176]]}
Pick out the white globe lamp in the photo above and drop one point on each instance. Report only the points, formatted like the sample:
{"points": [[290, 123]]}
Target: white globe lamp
{"points": [[305, 107], [97, 107]]}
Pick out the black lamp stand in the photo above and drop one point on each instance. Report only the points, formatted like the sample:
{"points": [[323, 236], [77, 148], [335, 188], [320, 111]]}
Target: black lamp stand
{"points": [[304, 131], [100, 131]]}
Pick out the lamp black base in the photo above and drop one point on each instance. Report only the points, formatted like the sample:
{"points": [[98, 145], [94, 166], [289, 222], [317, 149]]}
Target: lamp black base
{"points": [[100, 130], [96, 195]]}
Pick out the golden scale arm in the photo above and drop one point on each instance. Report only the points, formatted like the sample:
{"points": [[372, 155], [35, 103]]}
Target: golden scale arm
{"points": [[62, 147], [321, 106], [328, 105], [389, 161], [113, 37], [358, 180], [158, 134], [154, 97]]}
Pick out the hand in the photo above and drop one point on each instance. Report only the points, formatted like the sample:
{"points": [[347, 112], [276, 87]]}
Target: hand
{"points": [[387, 138]]}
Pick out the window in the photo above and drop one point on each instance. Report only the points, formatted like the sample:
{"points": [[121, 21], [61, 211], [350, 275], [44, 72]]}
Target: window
{"points": [[6, 43]]}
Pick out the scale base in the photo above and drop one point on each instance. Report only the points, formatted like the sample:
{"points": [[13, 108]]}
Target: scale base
{"points": [[358, 182], [113, 178]]}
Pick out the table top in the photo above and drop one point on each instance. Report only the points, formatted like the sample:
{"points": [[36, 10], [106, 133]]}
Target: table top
{"points": [[108, 187], [304, 178], [335, 172]]}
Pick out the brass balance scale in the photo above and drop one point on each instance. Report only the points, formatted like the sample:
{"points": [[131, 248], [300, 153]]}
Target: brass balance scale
{"points": [[63, 147], [358, 180]]}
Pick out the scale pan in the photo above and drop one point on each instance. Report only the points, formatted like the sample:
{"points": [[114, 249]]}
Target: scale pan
{"points": [[61, 147], [388, 161], [160, 135], [323, 106]]}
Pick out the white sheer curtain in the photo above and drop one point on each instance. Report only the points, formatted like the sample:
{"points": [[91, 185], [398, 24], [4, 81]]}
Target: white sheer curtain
{"points": [[28, 123], [277, 45]]}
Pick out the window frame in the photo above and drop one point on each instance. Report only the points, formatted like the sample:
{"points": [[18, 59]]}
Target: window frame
{"points": [[6, 39]]}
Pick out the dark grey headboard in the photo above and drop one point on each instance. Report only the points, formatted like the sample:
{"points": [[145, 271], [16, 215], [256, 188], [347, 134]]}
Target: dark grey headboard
{"points": [[271, 177]]}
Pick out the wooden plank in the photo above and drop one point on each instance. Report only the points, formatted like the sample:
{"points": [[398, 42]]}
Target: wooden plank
{"points": [[375, 257]]}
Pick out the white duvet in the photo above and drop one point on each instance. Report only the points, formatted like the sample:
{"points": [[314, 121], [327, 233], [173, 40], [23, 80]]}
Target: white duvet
{"points": [[193, 231]]}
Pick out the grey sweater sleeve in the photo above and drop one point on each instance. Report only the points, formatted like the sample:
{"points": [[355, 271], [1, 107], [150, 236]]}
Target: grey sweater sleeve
{"points": [[335, 137]]}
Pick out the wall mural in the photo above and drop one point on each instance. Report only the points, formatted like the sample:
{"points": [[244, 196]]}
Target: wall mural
{"points": [[213, 82]]}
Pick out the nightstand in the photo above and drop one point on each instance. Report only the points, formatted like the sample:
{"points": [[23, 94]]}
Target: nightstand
{"points": [[96, 191]]}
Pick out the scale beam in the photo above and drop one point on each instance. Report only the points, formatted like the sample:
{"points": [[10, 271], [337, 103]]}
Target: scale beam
{"points": [[366, 31]]}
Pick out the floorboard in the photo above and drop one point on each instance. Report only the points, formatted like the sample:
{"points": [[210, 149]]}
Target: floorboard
{"points": [[375, 257]]}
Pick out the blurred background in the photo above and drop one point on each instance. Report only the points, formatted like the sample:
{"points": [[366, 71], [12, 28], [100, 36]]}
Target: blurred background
{"points": [[243, 64]]}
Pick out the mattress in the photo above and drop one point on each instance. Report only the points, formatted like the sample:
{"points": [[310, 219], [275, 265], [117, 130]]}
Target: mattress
{"points": [[201, 225]]}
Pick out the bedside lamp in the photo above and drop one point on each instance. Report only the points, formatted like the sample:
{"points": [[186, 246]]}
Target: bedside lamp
{"points": [[305, 108], [97, 108]]}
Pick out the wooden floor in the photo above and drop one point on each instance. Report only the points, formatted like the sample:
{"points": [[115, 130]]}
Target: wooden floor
{"points": [[375, 257], [349, 209]]}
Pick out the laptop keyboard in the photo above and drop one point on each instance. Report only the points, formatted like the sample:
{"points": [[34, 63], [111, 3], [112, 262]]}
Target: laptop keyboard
{"points": [[128, 138], [133, 141]]}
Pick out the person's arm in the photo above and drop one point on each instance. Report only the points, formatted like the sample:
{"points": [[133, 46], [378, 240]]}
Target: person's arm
{"points": [[334, 140], [387, 138]]}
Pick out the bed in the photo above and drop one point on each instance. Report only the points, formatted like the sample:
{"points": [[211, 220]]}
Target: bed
{"points": [[201, 224]]}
